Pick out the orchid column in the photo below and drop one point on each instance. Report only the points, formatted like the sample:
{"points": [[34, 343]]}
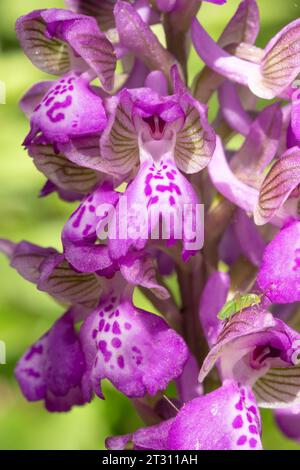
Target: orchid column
{"points": [[161, 196]]}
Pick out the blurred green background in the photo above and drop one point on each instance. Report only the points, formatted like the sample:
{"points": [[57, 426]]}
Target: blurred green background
{"points": [[27, 313]]}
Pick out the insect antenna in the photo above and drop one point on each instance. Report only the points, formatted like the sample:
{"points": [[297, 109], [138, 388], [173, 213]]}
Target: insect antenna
{"points": [[171, 403]]}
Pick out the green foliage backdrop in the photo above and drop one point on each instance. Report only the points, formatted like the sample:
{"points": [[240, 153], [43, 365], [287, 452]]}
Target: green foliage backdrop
{"points": [[25, 313]]}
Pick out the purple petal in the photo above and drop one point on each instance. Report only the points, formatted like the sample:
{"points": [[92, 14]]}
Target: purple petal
{"points": [[249, 238], [187, 384], [102, 10], [137, 36], [277, 70], [220, 61], [27, 259], [64, 174], [85, 226], [139, 270], [280, 269], [60, 280], [166, 5], [69, 109], [196, 140], [158, 192], [46, 34], [295, 115], [213, 298], [85, 152], [243, 27], [280, 65], [228, 184], [150, 438], [51, 55], [52, 368], [260, 146], [218, 421], [278, 186], [288, 420], [119, 144], [34, 96], [122, 341], [93, 46], [232, 109]]}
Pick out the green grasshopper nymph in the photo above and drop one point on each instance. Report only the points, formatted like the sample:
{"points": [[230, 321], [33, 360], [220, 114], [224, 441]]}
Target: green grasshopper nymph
{"points": [[237, 304]]}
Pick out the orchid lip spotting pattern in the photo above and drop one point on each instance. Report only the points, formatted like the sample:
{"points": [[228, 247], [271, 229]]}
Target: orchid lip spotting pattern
{"points": [[162, 196]]}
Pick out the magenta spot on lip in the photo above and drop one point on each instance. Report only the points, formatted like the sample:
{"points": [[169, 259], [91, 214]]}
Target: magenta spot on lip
{"points": [[101, 314], [249, 418], [94, 334], [101, 325], [253, 429], [128, 326], [239, 405], [170, 188], [34, 350], [86, 230], [242, 440], [108, 308], [148, 178], [77, 221], [152, 200], [172, 201], [253, 410], [116, 343], [103, 349], [237, 422], [32, 373], [148, 190], [56, 106], [92, 208], [107, 327], [121, 362], [116, 328], [252, 443], [114, 313], [49, 101], [170, 175]]}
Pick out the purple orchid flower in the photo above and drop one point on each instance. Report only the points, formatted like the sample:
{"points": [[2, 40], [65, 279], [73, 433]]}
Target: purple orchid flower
{"points": [[52, 369], [262, 352], [120, 342], [164, 134], [69, 109]]}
